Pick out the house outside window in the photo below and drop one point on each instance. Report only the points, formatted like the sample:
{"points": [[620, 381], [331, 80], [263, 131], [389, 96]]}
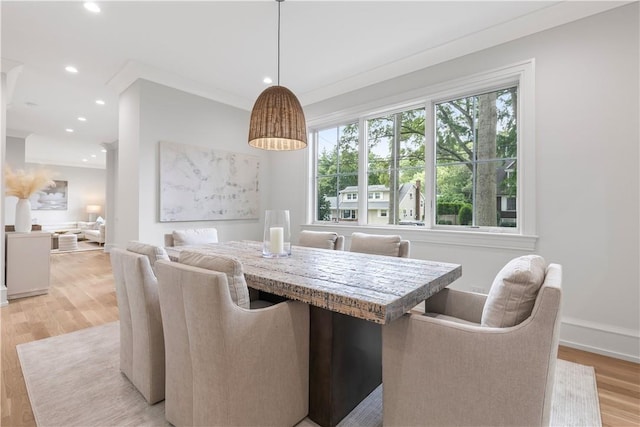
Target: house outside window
{"points": [[450, 162]]}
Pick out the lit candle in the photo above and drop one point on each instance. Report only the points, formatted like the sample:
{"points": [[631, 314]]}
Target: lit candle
{"points": [[276, 240]]}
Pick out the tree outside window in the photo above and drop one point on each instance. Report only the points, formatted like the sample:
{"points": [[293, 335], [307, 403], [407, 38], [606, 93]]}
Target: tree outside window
{"points": [[476, 149]]}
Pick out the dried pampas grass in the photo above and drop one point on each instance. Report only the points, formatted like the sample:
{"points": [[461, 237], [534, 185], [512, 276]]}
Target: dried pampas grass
{"points": [[22, 184]]}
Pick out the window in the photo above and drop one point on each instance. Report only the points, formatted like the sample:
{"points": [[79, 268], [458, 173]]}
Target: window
{"points": [[348, 214], [395, 144], [337, 168], [453, 159], [476, 155]]}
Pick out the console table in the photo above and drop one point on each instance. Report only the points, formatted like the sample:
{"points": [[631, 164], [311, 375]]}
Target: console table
{"points": [[28, 263]]}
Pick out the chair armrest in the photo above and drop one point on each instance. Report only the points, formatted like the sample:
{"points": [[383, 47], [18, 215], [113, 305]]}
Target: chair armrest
{"points": [[463, 305]]}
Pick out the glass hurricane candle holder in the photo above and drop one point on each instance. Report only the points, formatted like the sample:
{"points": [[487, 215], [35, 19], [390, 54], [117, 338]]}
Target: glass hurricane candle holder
{"points": [[277, 236]]}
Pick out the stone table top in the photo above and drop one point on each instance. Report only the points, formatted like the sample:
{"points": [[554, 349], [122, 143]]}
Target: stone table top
{"points": [[371, 287]]}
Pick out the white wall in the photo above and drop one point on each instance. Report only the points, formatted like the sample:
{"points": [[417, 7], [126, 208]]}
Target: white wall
{"points": [[166, 114], [587, 152]]}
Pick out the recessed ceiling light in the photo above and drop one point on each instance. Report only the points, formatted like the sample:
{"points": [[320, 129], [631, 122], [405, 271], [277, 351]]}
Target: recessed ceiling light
{"points": [[82, 119], [69, 130], [71, 69], [92, 7], [267, 80], [104, 150], [85, 160], [94, 156], [99, 102]]}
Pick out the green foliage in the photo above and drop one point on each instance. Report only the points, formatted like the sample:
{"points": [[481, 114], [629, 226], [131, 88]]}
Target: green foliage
{"points": [[324, 208], [465, 215], [450, 208]]}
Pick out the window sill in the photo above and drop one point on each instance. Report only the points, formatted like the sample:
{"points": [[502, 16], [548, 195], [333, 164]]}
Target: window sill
{"points": [[467, 238]]}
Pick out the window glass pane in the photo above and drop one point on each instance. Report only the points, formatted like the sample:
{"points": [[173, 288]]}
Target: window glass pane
{"points": [[396, 167], [476, 152], [337, 173]]}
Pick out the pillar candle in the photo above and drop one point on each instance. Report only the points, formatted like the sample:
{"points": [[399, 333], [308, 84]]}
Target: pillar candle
{"points": [[276, 240]]}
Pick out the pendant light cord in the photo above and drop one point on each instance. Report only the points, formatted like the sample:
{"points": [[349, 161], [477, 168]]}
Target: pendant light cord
{"points": [[279, 1]]}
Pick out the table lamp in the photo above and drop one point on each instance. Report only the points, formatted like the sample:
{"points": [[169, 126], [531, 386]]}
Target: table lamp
{"points": [[93, 211]]}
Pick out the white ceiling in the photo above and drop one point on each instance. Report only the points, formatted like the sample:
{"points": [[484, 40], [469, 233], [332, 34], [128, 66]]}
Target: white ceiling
{"points": [[223, 50]]}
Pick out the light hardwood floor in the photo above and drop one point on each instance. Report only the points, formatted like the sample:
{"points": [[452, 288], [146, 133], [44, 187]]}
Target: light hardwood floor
{"points": [[82, 295]]}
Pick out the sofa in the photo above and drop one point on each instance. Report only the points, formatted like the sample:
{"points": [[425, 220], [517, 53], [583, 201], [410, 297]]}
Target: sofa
{"points": [[93, 231], [95, 234]]}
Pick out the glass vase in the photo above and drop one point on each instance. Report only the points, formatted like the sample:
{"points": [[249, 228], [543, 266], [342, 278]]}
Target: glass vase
{"points": [[277, 236]]}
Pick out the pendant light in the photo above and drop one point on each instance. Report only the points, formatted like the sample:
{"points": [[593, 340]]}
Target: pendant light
{"points": [[277, 120]]}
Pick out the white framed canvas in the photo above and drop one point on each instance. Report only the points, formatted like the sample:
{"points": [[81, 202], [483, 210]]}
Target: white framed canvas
{"points": [[200, 184]]}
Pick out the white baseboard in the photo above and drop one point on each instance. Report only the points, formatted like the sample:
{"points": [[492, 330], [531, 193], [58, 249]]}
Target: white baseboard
{"points": [[598, 338]]}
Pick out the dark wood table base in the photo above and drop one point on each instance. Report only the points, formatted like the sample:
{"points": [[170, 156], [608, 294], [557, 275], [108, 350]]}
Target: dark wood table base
{"points": [[345, 364]]}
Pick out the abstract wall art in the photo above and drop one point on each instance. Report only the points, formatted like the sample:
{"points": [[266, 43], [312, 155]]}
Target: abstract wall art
{"points": [[51, 199], [200, 184]]}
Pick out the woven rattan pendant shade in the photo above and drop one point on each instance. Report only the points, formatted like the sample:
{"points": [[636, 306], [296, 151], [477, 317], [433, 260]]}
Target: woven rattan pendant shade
{"points": [[277, 121]]}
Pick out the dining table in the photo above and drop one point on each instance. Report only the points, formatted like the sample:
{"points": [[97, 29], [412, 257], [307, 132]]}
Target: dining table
{"points": [[351, 296]]}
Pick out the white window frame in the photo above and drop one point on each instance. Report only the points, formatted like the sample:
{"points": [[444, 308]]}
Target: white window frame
{"points": [[521, 238]]}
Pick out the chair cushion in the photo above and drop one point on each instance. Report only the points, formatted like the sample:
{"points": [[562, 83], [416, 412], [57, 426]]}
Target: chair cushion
{"points": [[375, 244], [154, 253], [195, 236], [513, 292], [227, 265], [318, 239]]}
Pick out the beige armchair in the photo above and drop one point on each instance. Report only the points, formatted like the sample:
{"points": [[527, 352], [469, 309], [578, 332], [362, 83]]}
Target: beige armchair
{"points": [[380, 245], [191, 236], [321, 240], [446, 369], [141, 336], [227, 365]]}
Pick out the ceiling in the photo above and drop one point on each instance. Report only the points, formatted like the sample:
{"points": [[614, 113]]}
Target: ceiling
{"points": [[223, 50]]}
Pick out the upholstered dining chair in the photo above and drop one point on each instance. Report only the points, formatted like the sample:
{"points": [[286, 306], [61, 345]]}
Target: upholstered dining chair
{"points": [[141, 335], [191, 236], [226, 364], [375, 244], [474, 359], [321, 240]]}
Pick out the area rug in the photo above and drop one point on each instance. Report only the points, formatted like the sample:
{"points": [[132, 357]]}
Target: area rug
{"points": [[75, 380]]}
